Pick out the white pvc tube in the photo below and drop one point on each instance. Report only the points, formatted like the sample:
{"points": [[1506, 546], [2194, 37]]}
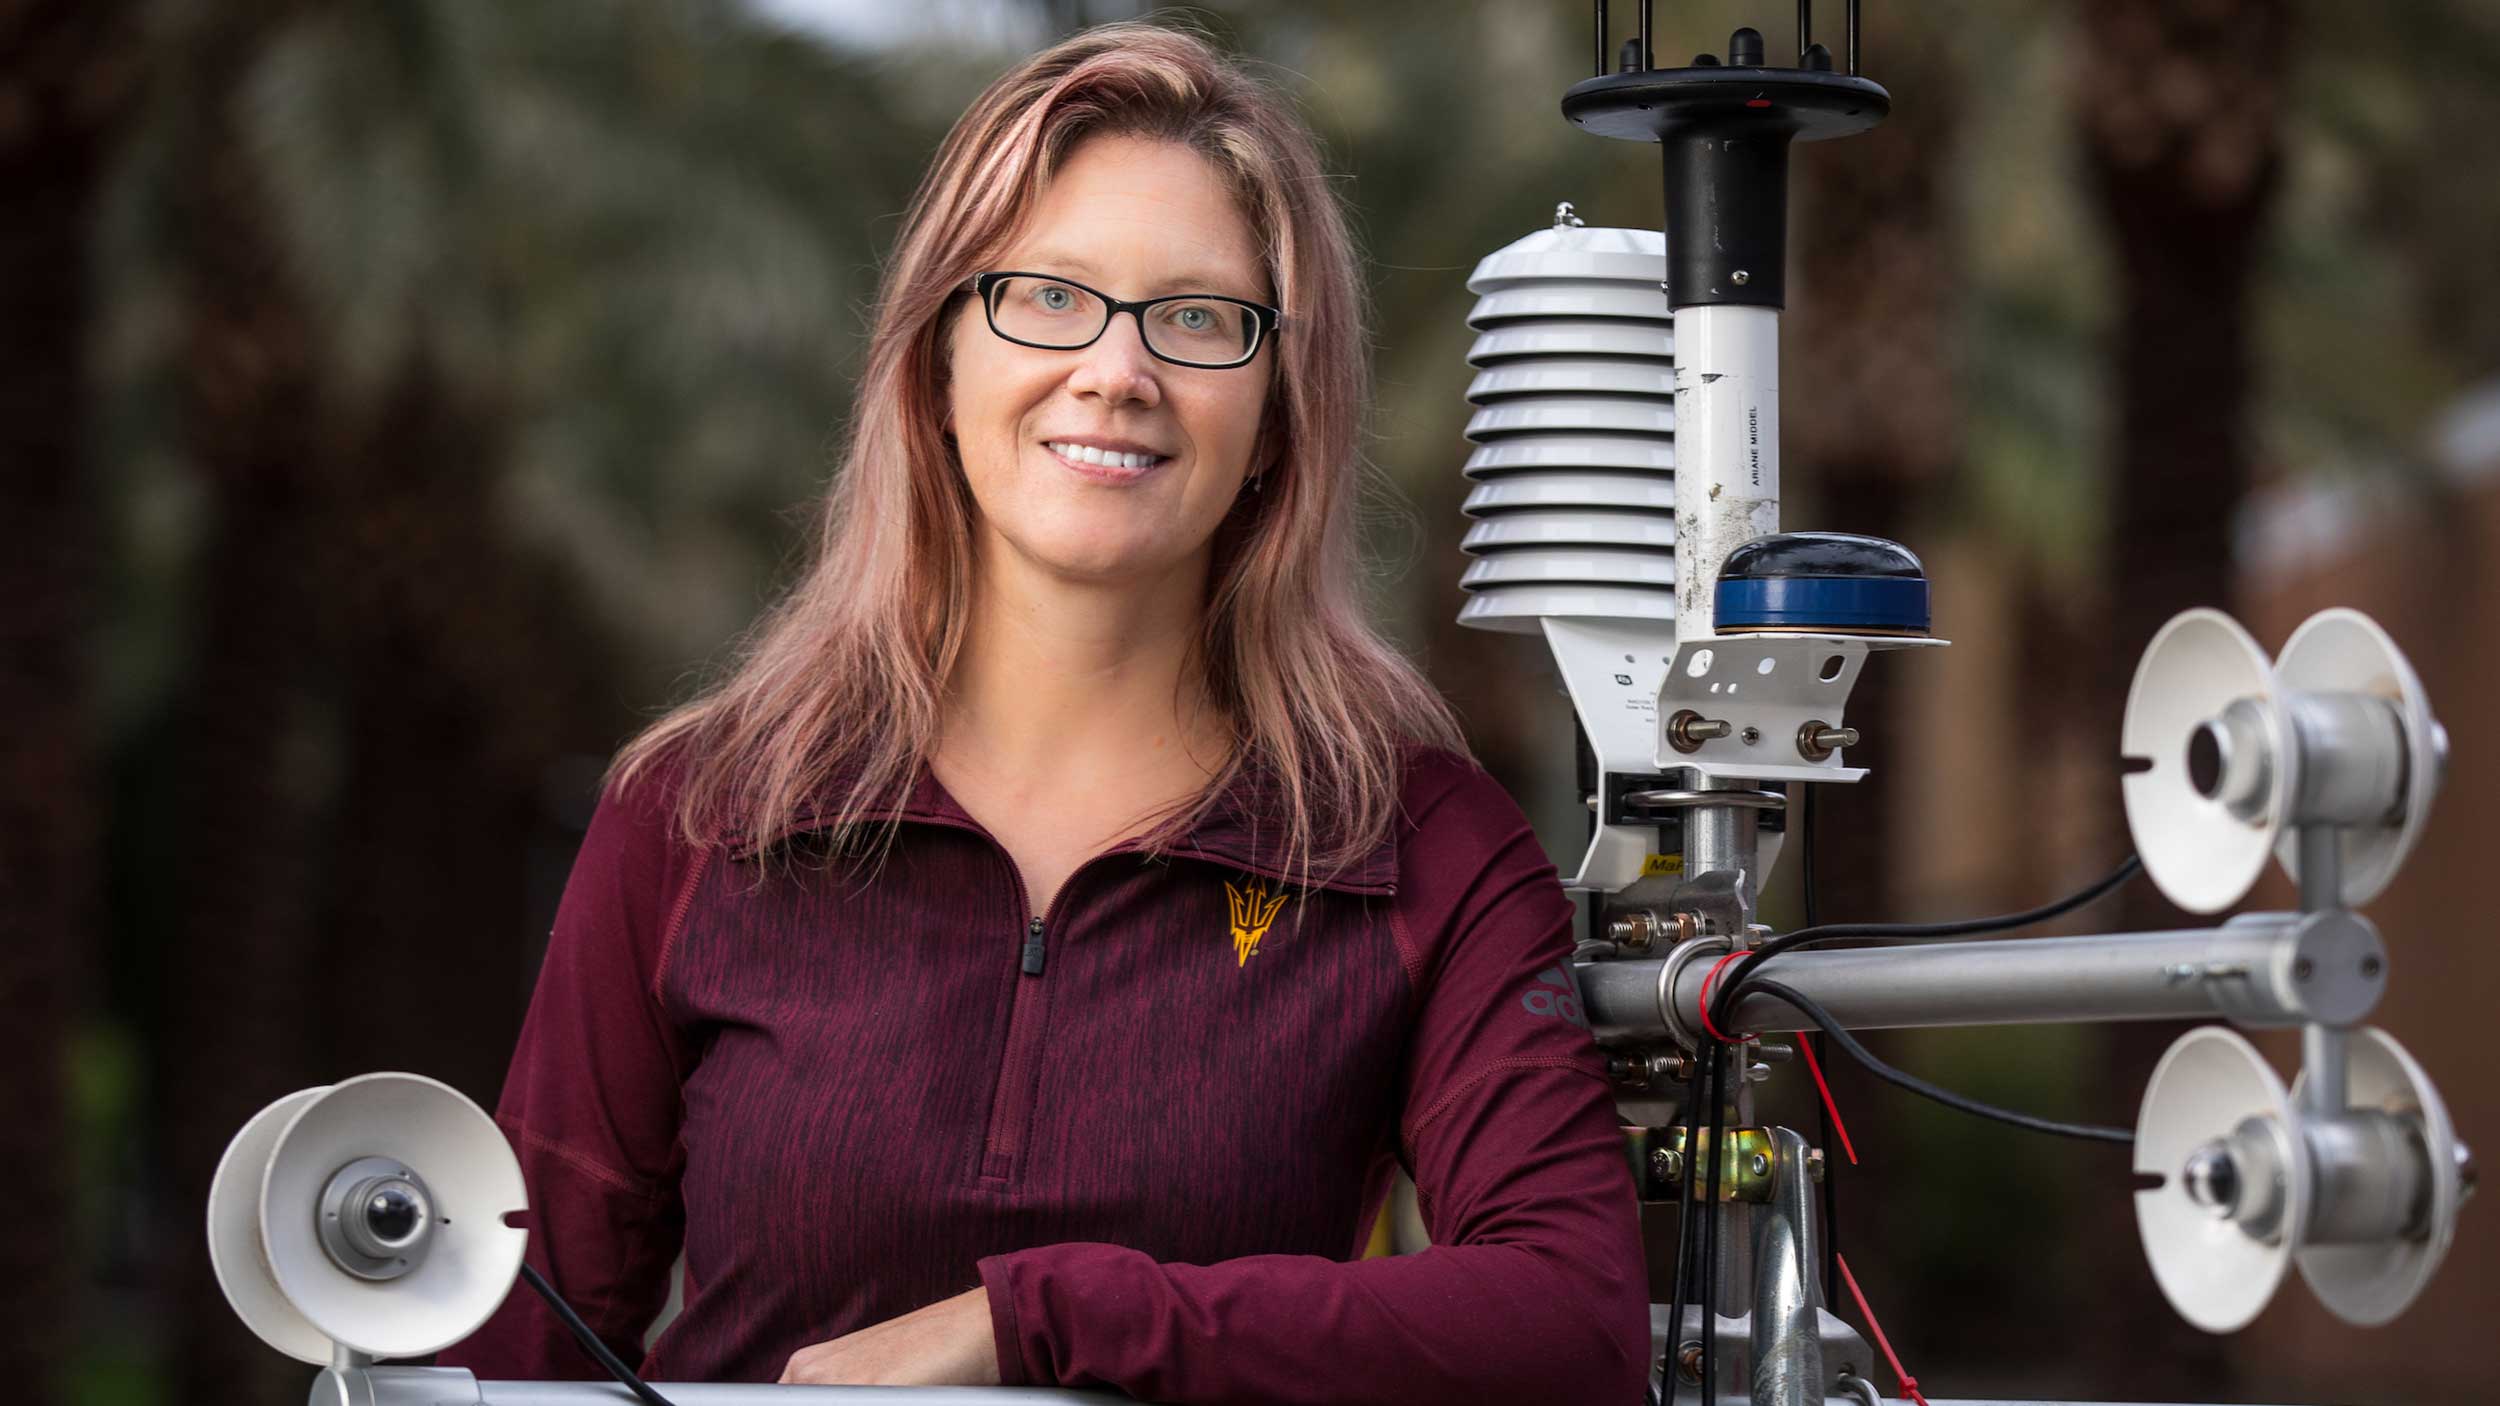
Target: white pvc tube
{"points": [[1727, 441]]}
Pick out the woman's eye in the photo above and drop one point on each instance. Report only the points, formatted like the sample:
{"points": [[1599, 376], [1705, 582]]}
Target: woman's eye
{"points": [[1054, 298], [1192, 317]]}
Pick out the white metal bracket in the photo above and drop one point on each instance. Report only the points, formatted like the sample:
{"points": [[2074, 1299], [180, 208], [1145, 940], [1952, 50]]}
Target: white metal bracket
{"points": [[1767, 687]]}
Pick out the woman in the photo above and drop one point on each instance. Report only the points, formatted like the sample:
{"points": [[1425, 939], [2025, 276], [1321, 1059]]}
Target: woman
{"points": [[1032, 963]]}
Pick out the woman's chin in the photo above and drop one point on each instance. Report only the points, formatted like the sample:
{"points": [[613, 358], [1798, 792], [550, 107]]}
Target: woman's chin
{"points": [[1111, 570], [1100, 562]]}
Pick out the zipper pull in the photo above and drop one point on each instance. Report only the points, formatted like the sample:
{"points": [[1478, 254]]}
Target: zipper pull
{"points": [[1033, 948]]}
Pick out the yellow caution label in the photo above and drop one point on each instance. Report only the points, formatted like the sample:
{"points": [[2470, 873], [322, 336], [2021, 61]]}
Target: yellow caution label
{"points": [[1660, 866]]}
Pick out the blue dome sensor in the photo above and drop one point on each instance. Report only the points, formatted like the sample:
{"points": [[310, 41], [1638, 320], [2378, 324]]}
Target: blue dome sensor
{"points": [[1822, 583]]}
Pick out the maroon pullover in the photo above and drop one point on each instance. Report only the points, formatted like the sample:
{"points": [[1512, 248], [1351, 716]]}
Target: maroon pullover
{"points": [[1155, 1123]]}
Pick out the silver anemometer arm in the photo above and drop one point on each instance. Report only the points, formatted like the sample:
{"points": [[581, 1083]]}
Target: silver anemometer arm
{"points": [[2260, 970]]}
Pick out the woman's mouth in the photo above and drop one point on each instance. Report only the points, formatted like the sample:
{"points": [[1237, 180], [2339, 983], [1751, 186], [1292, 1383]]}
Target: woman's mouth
{"points": [[1105, 465]]}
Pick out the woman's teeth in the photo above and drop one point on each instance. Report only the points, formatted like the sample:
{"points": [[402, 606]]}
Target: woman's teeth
{"points": [[1106, 458]]}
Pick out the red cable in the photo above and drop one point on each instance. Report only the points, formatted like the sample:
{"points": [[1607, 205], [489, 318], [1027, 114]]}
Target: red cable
{"points": [[1709, 977], [1909, 1384], [1807, 1047]]}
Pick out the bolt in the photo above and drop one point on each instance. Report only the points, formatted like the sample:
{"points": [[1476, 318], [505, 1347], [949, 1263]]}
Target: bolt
{"points": [[1750, 736], [1760, 1165], [1814, 1163], [1688, 1362], [1687, 730], [1740, 278], [1669, 1164], [1634, 930], [1818, 739], [1673, 1064], [2304, 969]]}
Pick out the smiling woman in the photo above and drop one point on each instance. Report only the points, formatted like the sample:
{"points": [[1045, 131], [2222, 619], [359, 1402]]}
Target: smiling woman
{"points": [[1032, 962], [1037, 427]]}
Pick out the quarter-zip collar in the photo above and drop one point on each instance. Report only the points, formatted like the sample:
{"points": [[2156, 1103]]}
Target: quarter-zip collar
{"points": [[1241, 831]]}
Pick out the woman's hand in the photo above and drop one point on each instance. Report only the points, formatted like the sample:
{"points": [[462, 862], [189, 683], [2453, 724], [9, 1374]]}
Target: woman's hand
{"points": [[947, 1343]]}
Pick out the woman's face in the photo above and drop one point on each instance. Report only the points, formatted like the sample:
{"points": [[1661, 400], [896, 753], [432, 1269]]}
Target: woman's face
{"points": [[1134, 218]]}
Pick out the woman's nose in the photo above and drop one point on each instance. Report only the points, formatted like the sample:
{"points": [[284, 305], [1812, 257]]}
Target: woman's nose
{"points": [[1117, 366]]}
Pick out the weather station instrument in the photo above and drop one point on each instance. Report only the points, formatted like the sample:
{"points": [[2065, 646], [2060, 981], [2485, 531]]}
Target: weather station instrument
{"points": [[1625, 508]]}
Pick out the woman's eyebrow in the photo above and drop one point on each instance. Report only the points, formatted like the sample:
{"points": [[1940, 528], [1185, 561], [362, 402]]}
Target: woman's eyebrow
{"points": [[1186, 281]]}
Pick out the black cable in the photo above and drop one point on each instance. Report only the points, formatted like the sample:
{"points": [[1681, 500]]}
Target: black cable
{"points": [[590, 1341], [1710, 1225], [1688, 1232], [1848, 1043], [1723, 1004], [1687, 1240]]}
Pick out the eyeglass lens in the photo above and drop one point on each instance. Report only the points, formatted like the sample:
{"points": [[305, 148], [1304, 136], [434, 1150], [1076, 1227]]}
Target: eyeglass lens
{"points": [[1053, 314]]}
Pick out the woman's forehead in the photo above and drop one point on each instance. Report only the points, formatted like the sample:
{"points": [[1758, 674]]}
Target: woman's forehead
{"points": [[1140, 218]]}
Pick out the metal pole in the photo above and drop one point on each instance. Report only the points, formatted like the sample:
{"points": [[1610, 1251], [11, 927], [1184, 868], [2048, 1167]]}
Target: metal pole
{"points": [[2242, 970], [2322, 1046], [1787, 1333], [1725, 838]]}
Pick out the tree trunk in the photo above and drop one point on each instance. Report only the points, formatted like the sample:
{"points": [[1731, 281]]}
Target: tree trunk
{"points": [[239, 1006], [468, 675], [64, 72], [1868, 405], [2178, 107]]}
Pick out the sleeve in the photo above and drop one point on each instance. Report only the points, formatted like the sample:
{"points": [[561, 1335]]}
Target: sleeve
{"points": [[1535, 1288], [592, 1104]]}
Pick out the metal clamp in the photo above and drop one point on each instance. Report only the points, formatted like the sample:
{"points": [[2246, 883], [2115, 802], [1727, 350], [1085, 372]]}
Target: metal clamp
{"points": [[1683, 800]]}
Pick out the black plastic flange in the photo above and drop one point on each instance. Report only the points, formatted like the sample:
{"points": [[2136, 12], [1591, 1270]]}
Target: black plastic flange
{"points": [[1725, 132]]}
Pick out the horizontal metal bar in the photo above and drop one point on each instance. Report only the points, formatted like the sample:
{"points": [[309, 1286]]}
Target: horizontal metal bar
{"points": [[2250, 971], [752, 1394], [452, 1386]]}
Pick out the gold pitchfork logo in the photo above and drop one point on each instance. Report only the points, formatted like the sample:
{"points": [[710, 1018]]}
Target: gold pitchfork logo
{"points": [[1253, 911]]}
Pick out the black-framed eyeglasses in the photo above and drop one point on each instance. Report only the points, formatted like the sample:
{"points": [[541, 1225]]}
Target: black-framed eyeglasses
{"points": [[1060, 314]]}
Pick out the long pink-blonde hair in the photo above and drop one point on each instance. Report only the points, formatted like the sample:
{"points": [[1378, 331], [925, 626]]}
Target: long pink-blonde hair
{"points": [[835, 699]]}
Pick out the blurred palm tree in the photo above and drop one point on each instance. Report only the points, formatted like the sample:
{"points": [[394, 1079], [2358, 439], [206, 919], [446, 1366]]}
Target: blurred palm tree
{"points": [[488, 341]]}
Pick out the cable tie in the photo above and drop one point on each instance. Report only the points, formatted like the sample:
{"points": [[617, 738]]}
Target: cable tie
{"points": [[1709, 977], [1909, 1384]]}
